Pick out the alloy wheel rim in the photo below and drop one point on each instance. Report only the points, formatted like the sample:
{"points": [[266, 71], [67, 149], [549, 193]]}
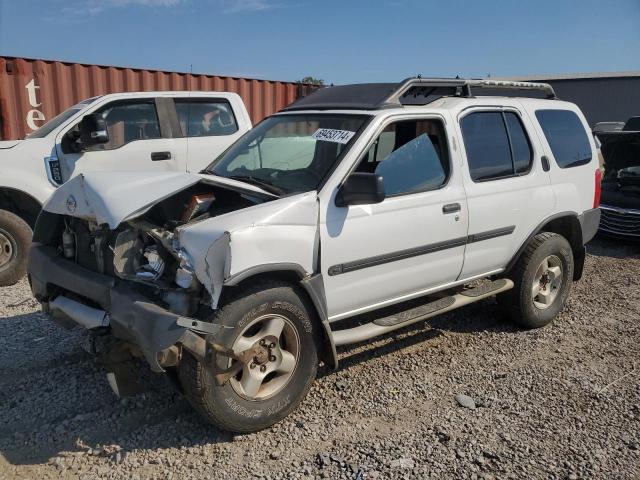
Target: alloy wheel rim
{"points": [[7, 252], [547, 282], [267, 374]]}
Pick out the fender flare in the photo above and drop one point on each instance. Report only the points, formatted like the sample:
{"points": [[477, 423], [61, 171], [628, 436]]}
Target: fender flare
{"points": [[313, 285], [578, 249]]}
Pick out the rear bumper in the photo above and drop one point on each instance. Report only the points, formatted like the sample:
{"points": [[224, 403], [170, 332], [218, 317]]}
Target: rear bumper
{"points": [[132, 317], [589, 221]]}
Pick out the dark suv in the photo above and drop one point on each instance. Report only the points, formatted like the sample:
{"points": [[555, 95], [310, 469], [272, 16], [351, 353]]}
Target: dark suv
{"points": [[620, 204]]}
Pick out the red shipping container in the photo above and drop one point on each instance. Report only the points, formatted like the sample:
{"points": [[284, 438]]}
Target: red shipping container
{"points": [[34, 91]]}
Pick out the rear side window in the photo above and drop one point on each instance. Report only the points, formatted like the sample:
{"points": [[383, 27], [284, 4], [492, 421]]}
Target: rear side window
{"points": [[497, 145], [205, 118], [566, 137]]}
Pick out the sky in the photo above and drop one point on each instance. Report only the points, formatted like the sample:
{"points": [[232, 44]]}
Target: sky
{"points": [[347, 41]]}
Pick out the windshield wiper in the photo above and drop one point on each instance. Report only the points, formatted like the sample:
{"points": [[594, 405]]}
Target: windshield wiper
{"points": [[260, 183]]}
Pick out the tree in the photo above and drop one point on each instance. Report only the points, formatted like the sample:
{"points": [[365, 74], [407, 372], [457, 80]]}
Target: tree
{"points": [[312, 80]]}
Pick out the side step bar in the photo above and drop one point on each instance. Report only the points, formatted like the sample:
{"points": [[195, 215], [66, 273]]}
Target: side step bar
{"points": [[380, 326]]}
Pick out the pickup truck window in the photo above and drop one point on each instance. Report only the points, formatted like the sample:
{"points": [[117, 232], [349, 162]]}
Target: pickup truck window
{"points": [[205, 118], [290, 153], [59, 119], [410, 155], [566, 136], [129, 121], [496, 144]]}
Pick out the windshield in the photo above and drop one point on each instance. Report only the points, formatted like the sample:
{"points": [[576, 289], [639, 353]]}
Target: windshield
{"points": [[287, 154], [59, 119]]}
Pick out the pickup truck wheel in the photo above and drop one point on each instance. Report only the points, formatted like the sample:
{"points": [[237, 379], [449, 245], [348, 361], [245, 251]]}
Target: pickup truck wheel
{"points": [[15, 240], [270, 315], [542, 280]]}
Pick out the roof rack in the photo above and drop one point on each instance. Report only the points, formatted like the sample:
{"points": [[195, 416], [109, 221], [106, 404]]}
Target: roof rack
{"points": [[411, 91], [418, 86]]}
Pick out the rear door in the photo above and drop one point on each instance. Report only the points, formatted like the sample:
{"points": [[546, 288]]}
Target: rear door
{"points": [[508, 190], [141, 138], [210, 126], [573, 156]]}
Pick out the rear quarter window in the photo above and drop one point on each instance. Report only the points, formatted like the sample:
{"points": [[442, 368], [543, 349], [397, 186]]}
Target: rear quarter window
{"points": [[566, 136]]}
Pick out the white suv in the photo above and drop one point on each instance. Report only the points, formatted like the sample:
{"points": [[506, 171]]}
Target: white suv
{"points": [[314, 230], [138, 131]]}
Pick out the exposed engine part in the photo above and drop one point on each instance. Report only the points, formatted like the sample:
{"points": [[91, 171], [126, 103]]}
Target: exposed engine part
{"points": [[68, 243], [185, 278], [164, 237], [198, 205], [154, 267]]}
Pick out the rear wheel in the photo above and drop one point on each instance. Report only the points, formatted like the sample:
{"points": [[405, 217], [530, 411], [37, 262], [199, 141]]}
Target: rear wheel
{"points": [[15, 241], [272, 317], [542, 280]]}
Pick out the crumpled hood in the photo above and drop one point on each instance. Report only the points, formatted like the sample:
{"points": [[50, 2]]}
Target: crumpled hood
{"points": [[112, 197], [9, 144]]}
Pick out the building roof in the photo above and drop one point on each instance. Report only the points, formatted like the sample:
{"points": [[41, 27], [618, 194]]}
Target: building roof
{"points": [[572, 76]]}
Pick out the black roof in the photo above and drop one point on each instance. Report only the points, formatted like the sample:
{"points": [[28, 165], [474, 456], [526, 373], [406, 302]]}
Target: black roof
{"points": [[364, 96], [412, 91]]}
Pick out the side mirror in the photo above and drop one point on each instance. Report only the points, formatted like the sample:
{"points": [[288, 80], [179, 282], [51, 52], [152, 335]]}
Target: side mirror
{"points": [[93, 130], [361, 189]]}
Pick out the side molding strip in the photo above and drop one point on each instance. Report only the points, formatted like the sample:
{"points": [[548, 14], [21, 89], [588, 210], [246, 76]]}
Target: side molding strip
{"points": [[418, 251]]}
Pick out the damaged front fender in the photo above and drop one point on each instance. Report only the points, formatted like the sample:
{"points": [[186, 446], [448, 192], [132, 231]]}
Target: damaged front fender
{"points": [[267, 236]]}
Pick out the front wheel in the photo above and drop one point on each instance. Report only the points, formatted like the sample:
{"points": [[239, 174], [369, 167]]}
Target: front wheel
{"points": [[274, 318], [542, 280], [15, 241]]}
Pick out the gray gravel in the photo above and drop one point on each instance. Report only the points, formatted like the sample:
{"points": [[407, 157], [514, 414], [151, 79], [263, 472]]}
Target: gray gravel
{"points": [[562, 402]]}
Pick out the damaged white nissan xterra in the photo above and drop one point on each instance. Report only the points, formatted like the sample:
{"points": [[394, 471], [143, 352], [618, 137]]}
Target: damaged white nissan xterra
{"points": [[316, 228]]}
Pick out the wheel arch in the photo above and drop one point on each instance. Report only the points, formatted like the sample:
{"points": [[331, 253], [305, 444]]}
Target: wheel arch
{"points": [[569, 226], [310, 287], [21, 204]]}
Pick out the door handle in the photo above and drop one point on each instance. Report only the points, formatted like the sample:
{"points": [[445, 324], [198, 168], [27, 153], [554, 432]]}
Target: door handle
{"points": [[158, 156], [545, 163], [451, 208]]}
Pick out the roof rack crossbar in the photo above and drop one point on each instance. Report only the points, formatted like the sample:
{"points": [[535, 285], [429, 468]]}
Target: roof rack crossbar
{"points": [[513, 85], [462, 87]]}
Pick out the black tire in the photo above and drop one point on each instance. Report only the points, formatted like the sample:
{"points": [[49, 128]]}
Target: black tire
{"points": [[222, 405], [518, 303], [15, 239]]}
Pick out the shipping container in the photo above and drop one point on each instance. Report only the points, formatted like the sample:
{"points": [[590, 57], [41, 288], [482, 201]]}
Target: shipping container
{"points": [[34, 91]]}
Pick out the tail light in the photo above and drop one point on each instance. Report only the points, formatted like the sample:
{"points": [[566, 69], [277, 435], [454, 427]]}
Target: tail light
{"points": [[598, 190]]}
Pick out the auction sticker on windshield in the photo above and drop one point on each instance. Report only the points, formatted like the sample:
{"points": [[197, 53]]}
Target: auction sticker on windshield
{"points": [[331, 135]]}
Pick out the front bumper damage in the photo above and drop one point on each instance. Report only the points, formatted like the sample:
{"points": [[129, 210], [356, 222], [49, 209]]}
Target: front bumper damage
{"points": [[132, 317]]}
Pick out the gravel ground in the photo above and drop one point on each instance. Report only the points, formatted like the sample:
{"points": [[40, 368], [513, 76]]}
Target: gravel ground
{"points": [[562, 402]]}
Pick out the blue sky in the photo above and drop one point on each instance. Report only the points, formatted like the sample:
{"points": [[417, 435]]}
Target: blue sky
{"points": [[339, 41]]}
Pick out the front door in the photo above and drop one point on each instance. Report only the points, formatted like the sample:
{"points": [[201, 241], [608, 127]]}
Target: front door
{"points": [[137, 142], [372, 255]]}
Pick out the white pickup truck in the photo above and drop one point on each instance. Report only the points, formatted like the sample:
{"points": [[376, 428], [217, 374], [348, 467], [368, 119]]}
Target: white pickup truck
{"points": [[141, 131], [317, 228]]}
